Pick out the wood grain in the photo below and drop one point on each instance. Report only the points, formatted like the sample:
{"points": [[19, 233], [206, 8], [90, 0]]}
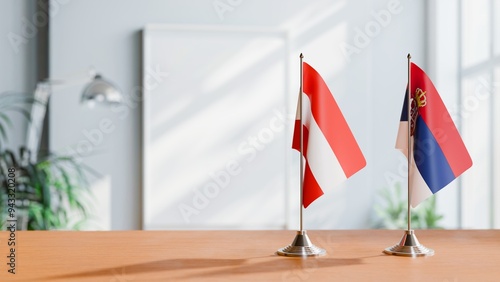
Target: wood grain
{"points": [[353, 255]]}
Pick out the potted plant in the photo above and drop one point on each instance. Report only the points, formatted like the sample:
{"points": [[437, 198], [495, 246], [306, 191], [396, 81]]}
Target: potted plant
{"points": [[51, 192], [392, 213]]}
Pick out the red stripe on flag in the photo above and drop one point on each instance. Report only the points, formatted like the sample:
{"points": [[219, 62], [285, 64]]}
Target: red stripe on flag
{"points": [[313, 190], [296, 137], [332, 123], [439, 122]]}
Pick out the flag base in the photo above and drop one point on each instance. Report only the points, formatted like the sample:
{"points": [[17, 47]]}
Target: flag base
{"points": [[409, 247], [301, 247]]}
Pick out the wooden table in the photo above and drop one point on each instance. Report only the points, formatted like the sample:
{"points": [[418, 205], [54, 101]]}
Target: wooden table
{"points": [[461, 255]]}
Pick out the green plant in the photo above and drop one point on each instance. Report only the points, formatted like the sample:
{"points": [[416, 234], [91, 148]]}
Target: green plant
{"points": [[52, 191], [392, 213], [47, 189]]}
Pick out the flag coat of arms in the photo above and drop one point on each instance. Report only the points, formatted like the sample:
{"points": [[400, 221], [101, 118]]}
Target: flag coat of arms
{"points": [[438, 153], [330, 151]]}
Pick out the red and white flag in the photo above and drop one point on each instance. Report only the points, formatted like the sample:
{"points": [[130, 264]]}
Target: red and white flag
{"points": [[331, 153]]}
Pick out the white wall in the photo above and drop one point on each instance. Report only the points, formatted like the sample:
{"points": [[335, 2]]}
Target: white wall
{"points": [[368, 85], [467, 87], [18, 57]]}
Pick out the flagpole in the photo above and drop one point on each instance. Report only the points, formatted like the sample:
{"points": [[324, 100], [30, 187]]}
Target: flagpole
{"points": [[409, 140], [301, 245], [301, 145], [409, 246]]}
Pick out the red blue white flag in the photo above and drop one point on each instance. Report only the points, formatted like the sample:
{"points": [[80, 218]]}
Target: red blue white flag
{"points": [[330, 150], [439, 154]]}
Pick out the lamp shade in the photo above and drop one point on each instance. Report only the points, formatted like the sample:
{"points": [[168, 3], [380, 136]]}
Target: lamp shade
{"points": [[101, 90]]}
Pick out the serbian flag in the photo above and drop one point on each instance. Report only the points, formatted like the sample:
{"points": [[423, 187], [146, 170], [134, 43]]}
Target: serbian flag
{"points": [[439, 154], [330, 150]]}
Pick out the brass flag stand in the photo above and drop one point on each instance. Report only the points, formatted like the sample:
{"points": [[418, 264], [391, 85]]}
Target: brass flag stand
{"points": [[301, 245], [409, 245]]}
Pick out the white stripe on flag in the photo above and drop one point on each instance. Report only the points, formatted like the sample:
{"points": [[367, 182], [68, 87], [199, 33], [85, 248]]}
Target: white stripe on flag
{"points": [[419, 189], [322, 160], [402, 138]]}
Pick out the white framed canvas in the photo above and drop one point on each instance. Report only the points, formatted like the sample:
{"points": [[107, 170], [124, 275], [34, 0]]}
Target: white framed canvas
{"points": [[216, 128]]}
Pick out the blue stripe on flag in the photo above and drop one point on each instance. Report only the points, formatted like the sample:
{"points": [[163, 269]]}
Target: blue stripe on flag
{"points": [[429, 158], [404, 112]]}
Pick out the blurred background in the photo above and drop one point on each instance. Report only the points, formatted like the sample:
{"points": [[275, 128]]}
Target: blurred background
{"points": [[201, 136]]}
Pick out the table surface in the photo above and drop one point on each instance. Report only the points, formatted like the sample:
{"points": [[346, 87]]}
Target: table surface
{"points": [[352, 255]]}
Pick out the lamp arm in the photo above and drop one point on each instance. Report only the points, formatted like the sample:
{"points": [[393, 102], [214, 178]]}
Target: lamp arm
{"points": [[98, 88], [38, 111], [76, 79]]}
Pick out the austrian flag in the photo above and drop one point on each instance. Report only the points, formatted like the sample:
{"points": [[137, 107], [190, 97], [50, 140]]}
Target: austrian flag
{"points": [[329, 148], [438, 152]]}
